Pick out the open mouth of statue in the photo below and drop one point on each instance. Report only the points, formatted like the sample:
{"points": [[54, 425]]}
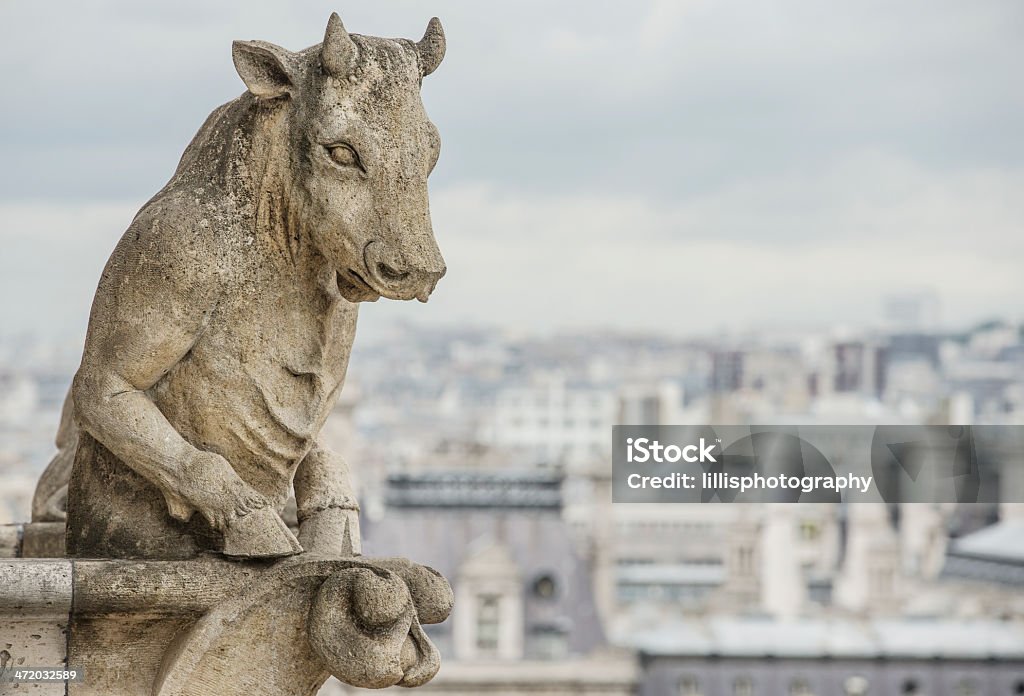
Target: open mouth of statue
{"points": [[354, 288]]}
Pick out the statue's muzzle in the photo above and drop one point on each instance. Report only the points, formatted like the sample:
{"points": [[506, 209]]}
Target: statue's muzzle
{"points": [[404, 276]]}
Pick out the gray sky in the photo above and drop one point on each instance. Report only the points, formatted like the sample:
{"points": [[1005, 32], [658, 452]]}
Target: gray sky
{"points": [[683, 165]]}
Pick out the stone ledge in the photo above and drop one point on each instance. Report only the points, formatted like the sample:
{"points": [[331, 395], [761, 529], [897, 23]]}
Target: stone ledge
{"points": [[35, 608], [32, 540], [190, 628], [35, 588]]}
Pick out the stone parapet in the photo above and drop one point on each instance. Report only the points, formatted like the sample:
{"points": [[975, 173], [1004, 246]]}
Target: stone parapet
{"points": [[35, 609], [211, 626]]}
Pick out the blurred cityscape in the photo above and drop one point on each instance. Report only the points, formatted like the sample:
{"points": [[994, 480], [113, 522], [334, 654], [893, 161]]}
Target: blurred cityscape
{"points": [[486, 454]]}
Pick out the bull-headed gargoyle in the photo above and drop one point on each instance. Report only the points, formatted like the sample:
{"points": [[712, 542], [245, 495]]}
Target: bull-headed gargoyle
{"points": [[222, 325]]}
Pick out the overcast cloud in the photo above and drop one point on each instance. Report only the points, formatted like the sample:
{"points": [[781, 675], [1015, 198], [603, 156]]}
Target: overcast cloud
{"points": [[683, 165]]}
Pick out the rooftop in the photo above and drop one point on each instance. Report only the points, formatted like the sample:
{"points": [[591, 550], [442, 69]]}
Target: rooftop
{"points": [[475, 490], [821, 638], [1003, 541]]}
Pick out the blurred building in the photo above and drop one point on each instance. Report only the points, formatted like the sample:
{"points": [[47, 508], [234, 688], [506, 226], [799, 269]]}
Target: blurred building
{"points": [[487, 455], [551, 422], [912, 311], [815, 657]]}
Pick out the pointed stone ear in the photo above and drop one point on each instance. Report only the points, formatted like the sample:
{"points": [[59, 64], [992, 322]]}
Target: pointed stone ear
{"points": [[431, 47], [339, 52], [265, 69]]}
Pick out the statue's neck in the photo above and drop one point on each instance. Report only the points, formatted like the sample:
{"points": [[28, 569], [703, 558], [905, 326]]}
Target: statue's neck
{"points": [[273, 210], [241, 157]]}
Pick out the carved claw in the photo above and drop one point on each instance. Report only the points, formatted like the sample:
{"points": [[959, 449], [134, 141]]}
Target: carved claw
{"points": [[364, 624]]}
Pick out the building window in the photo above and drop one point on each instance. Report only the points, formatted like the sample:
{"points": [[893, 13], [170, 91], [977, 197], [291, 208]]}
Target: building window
{"points": [[911, 687], [487, 623], [743, 686], [544, 587], [689, 685], [745, 560], [548, 643], [809, 530], [855, 686], [800, 687]]}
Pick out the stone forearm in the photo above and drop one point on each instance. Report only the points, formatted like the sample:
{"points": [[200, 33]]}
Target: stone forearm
{"points": [[132, 427]]}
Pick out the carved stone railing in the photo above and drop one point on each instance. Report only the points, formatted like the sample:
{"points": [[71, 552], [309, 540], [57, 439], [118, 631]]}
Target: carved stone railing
{"points": [[211, 626]]}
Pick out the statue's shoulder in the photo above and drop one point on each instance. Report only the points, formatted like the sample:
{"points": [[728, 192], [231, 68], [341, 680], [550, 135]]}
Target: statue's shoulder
{"points": [[174, 218], [174, 245]]}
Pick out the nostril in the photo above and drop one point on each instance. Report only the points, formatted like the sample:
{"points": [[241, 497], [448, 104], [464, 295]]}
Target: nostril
{"points": [[389, 273]]}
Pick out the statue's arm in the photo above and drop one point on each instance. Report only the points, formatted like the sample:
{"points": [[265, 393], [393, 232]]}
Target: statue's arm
{"points": [[327, 508], [155, 295]]}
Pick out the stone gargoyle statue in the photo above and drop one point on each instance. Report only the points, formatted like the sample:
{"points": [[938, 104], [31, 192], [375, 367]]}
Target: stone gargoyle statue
{"points": [[222, 326], [217, 346]]}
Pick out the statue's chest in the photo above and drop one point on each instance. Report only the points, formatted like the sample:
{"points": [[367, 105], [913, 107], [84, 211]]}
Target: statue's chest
{"points": [[304, 327], [292, 336]]}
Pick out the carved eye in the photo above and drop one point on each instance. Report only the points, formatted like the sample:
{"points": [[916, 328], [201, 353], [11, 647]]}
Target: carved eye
{"points": [[344, 156]]}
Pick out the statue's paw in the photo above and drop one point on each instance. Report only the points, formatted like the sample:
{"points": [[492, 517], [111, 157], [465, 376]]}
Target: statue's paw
{"points": [[332, 532], [209, 485], [259, 534]]}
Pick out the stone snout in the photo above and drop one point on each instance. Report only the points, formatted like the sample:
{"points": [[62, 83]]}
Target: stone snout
{"points": [[209, 626], [404, 277]]}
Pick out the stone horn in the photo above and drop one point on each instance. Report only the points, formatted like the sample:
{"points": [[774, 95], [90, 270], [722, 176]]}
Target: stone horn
{"points": [[431, 47], [339, 52]]}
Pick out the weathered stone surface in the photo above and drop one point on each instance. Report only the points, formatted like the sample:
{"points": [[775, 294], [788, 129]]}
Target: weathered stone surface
{"points": [[35, 602], [217, 346], [32, 540], [43, 540], [32, 641], [37, 588], [210, 626], [223, 322], [10, 540]]}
